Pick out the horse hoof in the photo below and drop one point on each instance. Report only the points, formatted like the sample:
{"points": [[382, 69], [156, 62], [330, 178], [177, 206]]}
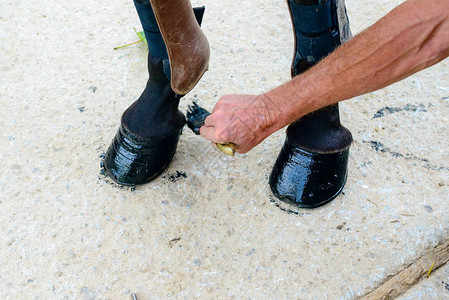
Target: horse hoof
{"points": [[131, 160], [308, 179]]}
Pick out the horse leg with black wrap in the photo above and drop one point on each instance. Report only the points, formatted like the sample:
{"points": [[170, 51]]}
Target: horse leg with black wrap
{"points": [[311, 168], [150, 128]]}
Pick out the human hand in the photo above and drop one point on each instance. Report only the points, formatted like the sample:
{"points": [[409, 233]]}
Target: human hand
{"points": [[244, 120]]}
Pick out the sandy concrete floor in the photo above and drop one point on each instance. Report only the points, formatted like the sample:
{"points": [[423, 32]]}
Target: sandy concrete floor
{"points": [[208, 227]]}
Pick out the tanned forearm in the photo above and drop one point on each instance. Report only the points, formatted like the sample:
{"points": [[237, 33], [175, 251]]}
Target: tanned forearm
{"points": [[410, 38]]}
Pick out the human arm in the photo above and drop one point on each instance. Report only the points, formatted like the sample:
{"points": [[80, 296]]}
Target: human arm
{"points": [[412, 37]]}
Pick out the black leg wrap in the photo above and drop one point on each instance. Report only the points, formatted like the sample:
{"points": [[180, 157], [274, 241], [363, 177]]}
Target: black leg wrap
{"points": [[150, 128], [315, 30], [311, 168], [320, 26], [156, 45]]}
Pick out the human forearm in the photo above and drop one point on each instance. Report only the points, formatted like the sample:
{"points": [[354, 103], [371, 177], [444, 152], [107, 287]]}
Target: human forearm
{"points": [[410, 38]]}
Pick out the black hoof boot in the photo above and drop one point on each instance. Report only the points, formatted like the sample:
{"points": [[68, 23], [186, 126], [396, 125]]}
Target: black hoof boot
{"points": [[311, 168], [149, 132], [131, 160]]}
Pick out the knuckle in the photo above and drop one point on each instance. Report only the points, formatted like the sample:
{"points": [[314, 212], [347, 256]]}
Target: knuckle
{"points": [[218, 115], [222, 136]]}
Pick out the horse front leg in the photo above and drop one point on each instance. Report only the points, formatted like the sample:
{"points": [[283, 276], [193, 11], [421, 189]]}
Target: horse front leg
{"points": [[178, 55], [311, 168]]}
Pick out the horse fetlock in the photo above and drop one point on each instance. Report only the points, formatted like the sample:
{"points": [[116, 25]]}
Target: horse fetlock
{"points": [[149, 121]]}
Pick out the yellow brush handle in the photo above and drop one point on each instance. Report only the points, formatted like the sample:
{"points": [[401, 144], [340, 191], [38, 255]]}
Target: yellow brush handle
{"points": [[228, 148]]}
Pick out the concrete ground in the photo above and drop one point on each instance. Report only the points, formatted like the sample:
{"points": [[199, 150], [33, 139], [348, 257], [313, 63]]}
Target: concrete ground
{"points": [[208, 227]]}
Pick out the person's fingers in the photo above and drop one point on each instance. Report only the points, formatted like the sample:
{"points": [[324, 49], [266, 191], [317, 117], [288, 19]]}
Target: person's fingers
{"points": [[209, 122], [208, 133], [239, 149]]}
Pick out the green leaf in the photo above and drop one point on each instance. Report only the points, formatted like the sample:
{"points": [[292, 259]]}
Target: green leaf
{"points": [[141, 36]]}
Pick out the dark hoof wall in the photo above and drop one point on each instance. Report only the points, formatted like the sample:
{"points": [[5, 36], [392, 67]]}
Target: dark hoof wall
{"points": [[131, 160], [307, 179]]}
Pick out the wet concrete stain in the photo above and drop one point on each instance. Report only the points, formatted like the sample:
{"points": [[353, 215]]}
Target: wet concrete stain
{"points": [[104, 178], [391, 110], [175, 176], [286, 210], [379, 147]]}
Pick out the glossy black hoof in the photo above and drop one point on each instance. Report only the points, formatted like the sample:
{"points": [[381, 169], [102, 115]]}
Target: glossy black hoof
{"points": [[131, 160], [307, 179]]}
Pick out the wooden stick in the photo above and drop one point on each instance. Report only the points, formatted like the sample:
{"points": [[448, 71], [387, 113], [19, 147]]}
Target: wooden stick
{"points": [[408, 277]]}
